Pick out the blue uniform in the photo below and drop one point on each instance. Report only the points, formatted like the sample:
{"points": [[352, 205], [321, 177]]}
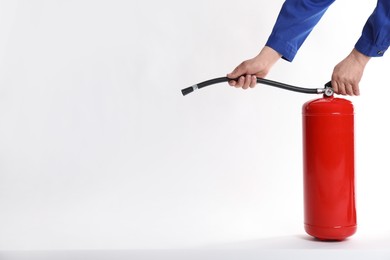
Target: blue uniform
{"points": [[297, 18]]}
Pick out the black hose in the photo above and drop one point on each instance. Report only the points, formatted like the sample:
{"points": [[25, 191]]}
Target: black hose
{"points": [[259, 80]]}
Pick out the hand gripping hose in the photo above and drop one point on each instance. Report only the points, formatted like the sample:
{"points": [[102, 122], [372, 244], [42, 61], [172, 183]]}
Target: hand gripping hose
{"points": [[327, 90]]}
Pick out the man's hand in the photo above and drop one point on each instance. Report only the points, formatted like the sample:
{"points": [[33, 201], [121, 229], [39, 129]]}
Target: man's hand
{"points": [[348, 73], [248, 70]]}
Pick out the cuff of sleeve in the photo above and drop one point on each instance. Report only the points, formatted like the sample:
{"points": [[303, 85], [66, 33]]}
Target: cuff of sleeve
{"points": [[369, 49], [285, 49]]}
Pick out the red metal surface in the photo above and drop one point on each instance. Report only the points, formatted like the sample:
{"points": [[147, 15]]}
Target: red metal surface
{"points": [[328, 160]]}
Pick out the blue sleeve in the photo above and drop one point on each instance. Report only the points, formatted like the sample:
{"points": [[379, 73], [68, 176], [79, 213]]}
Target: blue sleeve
{"points": [[296, 20], [375, 39]]}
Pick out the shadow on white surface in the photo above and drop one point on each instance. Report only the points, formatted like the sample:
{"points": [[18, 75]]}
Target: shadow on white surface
{"points": [[303, 242], [287, 247]]}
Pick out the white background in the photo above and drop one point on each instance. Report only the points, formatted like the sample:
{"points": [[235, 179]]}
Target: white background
{"points": [[99, 150]]}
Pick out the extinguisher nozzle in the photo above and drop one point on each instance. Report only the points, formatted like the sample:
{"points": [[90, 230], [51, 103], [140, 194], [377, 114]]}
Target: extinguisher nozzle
{"points": [[188, 90]]}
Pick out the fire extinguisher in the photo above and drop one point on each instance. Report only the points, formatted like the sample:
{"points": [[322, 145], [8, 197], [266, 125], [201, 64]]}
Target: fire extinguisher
{"points": [[328, 168], [328, 160]]}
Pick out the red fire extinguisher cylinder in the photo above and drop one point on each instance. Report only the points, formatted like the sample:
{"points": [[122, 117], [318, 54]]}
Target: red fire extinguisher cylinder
{"points": [[328, 164]]}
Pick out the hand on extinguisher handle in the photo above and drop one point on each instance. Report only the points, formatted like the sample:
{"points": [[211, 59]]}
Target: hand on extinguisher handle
{"points": [[328, 91]]}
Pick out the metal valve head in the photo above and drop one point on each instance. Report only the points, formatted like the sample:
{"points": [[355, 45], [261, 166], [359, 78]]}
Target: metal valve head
{"points": [[328, 90]]}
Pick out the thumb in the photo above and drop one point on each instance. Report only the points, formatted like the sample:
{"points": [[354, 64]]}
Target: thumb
{"points": [[237, 72]]}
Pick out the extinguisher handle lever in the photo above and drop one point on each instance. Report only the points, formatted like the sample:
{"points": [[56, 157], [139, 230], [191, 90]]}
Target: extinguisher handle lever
{"points": [[268, 82]]}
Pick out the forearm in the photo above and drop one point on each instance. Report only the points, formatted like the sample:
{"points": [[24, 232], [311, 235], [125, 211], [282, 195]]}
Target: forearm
{"points": [[375, 38], [296, 20]]}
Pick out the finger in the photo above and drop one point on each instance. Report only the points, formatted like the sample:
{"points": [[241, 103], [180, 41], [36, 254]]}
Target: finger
{"points": [[342, 89], [232, 83], [253, 82], [247, 82], [335, 86], [349, 89], [355, 89], [240, 82]]}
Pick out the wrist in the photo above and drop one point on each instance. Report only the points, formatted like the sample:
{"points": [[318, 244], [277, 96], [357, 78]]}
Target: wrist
{"points": [[269, 54], [360, 57]]}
